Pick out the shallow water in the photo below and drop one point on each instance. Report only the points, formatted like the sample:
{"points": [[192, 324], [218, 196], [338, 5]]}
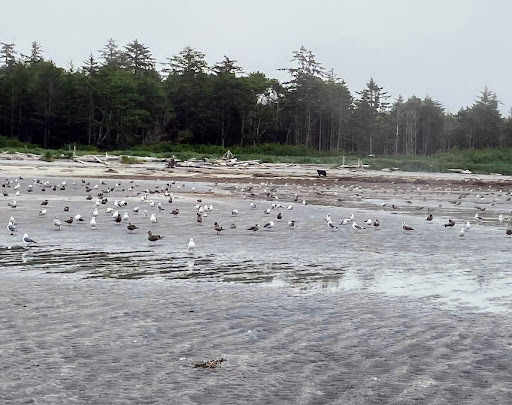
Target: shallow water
{"points": [[432, 262]]}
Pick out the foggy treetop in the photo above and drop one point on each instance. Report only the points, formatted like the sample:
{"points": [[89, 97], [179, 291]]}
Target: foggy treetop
{"points": [[118, 99]]}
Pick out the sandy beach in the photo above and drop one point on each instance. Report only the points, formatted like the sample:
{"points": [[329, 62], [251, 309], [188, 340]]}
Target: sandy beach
{"points": [[302, 315]]}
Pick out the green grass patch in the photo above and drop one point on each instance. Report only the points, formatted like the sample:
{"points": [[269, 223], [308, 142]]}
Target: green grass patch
{"points": [[47, 157], [129, 160]]}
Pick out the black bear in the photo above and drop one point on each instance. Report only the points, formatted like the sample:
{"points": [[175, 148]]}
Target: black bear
{"points": [[321, 173]]}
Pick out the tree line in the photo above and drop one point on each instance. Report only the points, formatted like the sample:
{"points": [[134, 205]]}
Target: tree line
{"points": [[118, 99]]}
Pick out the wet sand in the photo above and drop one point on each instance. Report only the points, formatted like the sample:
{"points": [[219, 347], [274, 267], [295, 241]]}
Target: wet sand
{"points": [[375, 317]]}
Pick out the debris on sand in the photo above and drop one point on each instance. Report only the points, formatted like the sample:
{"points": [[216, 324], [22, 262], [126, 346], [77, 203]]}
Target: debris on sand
{"points": [[210, 364]]}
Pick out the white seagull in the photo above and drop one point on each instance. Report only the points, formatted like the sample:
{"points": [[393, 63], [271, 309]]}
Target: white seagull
{"points": [[27, 240], [56, 222], [191, 245], [357, 227], [11, 228], [269, 225]]}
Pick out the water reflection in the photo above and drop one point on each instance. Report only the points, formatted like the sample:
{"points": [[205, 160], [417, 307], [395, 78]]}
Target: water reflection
{"points": [[479, 283]]}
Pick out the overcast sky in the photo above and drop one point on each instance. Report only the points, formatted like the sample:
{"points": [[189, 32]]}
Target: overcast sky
{"points": [[448, 49]]}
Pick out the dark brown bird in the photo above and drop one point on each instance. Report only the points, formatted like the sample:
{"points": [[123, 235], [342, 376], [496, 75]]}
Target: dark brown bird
{"points": [[509, 232], [66, 209], [69, 221], [279, 216], [132, 227], [450, 223], [430, 217], [199, 218], [119, 218], [154, 238], [376, 223], [89, 197], [45, 202], [218, 228], [175, 212], [254, 228]]}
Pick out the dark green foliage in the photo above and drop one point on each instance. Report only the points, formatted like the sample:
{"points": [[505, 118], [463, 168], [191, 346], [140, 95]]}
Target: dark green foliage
{"points": [[118, 100]]}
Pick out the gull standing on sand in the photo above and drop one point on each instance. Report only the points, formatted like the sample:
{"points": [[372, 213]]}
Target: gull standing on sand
{"points": [[27, 240], [153, 219], [269, 225], [461, 232], [357, 227], [331, 225], [56, 222], [93, 223], [254, 228], [11, 228], [191, 245], [406, 227], [42, 213], [218, 228], [154, 238]]}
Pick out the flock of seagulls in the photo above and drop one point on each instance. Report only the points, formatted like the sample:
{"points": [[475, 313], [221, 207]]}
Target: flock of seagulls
{"points": [[118, 211]]}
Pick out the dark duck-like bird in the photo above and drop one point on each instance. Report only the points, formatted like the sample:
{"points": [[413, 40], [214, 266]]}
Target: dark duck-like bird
{"points": [[450, 223], [154, 238]]}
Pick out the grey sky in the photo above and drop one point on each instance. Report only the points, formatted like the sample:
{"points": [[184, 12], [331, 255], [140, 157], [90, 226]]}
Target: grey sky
{"points": [[447, 49]]}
